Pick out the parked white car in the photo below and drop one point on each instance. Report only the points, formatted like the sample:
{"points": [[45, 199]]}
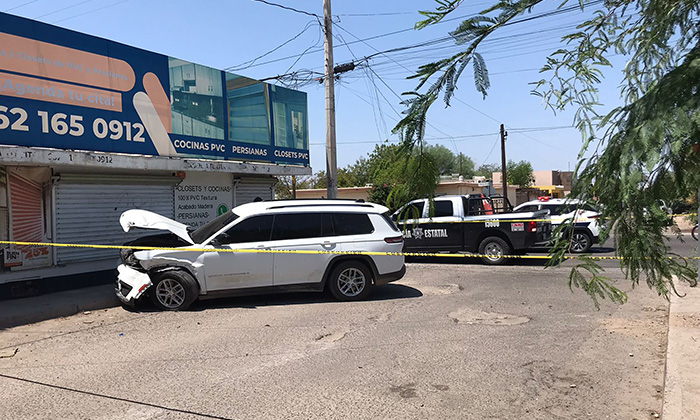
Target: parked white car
{"points": [[586, 227], [262, 247]]}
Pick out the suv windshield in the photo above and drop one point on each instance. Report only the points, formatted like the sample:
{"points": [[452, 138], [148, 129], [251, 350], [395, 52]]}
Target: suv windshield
{"points": [[204, 232]]}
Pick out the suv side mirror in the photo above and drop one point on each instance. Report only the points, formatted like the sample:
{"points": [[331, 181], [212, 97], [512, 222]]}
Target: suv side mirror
{"points": [[221, 239]]}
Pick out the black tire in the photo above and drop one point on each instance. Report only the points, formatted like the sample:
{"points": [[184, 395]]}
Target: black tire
{"points": [[694, 232], [580, 242], [174, 290], [497, 248], [350, 281]]}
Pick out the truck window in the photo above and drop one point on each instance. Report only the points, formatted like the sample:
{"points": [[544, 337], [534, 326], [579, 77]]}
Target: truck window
{"points": [[473, 206], [411, 211], [443, 208]]}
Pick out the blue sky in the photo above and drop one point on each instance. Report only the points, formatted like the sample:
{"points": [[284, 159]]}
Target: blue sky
{"points": [[229, 34]]}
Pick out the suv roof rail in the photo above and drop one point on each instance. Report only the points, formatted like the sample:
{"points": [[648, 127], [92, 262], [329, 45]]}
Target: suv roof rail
{"points": [[348, 204]]}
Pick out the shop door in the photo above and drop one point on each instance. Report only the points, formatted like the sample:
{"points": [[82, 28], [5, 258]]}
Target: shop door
{"points": [[88, 208], [28, 218]]}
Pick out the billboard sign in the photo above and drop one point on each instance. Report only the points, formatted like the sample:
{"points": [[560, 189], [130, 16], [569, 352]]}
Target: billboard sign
{"points": [[67, 90]]}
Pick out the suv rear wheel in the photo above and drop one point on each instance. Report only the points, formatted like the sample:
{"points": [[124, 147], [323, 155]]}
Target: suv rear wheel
{"points": [[350, 280]]}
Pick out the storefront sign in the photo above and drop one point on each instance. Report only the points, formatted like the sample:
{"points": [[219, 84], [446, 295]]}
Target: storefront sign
{"points": [[66, 90], [201, 197]]}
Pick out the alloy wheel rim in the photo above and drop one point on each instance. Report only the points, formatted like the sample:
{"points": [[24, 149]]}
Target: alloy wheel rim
{"points": [[170, 293], [579, 242], [351, 282]]}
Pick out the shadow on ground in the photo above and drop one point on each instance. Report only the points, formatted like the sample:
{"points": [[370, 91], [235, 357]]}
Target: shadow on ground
{"points": [[385, 292], [539, 261]]}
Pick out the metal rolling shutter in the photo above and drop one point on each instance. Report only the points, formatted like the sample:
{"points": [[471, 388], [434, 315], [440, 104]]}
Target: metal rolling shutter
{"points": [[250, 188], [88, 209]]}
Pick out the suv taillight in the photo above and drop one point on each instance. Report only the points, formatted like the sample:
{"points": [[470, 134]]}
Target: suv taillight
{"points": [[532, 226], [393, 239]]}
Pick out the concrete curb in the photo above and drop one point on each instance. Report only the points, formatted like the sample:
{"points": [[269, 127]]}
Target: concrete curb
{"points": [[54, 305], [682, 381]]}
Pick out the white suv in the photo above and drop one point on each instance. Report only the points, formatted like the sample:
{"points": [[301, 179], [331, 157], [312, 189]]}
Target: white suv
{"points": [[262, 247], [586, 227]]}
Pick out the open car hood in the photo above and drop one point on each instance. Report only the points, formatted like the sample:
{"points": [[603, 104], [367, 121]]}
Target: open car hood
{"points": [[145, 219]]}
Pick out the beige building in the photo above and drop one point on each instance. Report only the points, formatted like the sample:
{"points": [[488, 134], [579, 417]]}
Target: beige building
{"points": [[456, 186], [554, 183]]}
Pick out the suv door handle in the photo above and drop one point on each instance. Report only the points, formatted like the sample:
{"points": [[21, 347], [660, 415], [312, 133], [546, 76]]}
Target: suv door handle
{"points": [[328, 245]]}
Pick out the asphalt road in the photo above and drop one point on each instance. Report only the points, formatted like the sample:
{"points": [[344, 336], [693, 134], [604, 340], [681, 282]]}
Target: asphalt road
{"points": [[456, 340]]}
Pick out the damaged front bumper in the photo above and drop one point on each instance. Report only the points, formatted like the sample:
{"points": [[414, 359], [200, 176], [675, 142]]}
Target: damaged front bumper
{"points": [[131, 284]]}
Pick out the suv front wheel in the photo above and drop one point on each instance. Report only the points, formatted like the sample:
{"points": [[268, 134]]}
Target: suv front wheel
{"points": [[174, 290], [580, 242], [350, 280]]}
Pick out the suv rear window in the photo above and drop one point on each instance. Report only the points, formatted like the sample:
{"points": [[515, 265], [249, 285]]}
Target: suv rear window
{"points": [[527, 209], [390, 221], [556, 209], [352, 224]]}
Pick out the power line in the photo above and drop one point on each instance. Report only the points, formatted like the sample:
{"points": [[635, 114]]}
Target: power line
{"points": [[243, 66], [457, 138], [355, 42], [64, 8], [419, 50], [305, 51], [376, 14], [91, 11], [498, 138], [21, 5], [450, 38], [269, 3]]}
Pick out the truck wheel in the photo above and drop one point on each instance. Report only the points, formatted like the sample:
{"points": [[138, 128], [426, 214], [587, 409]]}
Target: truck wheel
{"points": [[580, 242], [174, 290], [494, 250]]}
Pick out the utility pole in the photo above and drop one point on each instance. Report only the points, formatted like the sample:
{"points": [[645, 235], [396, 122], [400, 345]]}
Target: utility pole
{"points": [[331, 155], [504, 134]]}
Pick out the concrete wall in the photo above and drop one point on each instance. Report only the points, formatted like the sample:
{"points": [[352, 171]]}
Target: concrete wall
{"points": [[444, 188]]}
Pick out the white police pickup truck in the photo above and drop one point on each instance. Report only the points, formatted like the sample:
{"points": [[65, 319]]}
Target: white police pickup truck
{"points": [[469, 223]]}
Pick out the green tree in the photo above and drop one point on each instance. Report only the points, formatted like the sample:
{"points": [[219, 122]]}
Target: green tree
{"points": [[520, 173], [464, 166], [443, 158], [488, 169], [345, 179], [396, 176], [654, 132], [283, 187], [447, 163]]}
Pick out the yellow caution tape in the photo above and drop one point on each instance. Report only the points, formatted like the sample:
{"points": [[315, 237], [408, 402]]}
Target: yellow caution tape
{"points": [[487, 219], [299, 251]]}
